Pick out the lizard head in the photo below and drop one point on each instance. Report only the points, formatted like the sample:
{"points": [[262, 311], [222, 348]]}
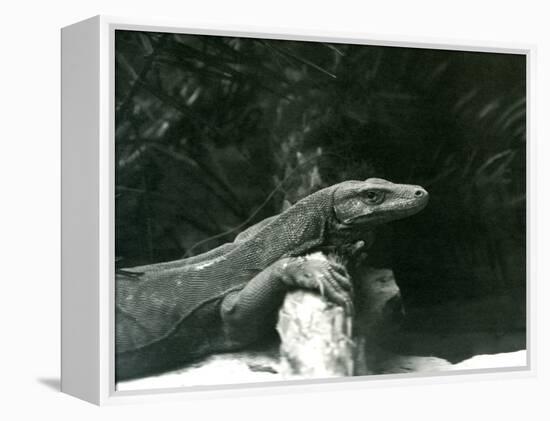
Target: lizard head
{"points": [[362, 204]]}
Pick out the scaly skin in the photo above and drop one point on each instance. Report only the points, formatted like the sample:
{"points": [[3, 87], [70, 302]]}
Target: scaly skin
{"points": [[168, 314]]}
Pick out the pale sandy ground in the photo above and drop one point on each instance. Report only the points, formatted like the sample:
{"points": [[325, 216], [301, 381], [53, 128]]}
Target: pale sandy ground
{"points": [[507, 359], [234, 368]]}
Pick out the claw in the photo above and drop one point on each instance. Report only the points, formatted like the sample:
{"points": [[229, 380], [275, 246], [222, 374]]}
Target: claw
{"points": [[339, 296], [320, 285], [331, 279], [356, 247]]}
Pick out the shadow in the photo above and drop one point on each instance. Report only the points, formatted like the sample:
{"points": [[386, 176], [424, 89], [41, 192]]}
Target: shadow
{"points": [[53, 383]]}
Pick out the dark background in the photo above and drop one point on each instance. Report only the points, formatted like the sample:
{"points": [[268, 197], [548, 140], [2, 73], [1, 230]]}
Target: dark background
{"points": [[214, 133]]}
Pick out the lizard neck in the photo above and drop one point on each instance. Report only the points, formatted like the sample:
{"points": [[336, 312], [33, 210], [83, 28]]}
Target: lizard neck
{"points": [[298, 229]]}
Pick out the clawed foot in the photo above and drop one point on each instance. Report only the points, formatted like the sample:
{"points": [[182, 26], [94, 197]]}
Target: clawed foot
{"points": [[316, 272]]}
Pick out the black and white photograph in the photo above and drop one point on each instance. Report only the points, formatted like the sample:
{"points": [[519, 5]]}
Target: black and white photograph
{"points": [[297, 210], [287, 210]]}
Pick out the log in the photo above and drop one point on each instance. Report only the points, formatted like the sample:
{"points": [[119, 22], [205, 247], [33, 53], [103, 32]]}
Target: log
{"points": [[316, 336], [319, 340]]}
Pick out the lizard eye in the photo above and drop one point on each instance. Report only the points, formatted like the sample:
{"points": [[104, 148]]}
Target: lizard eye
{"points": [[374, 196]]}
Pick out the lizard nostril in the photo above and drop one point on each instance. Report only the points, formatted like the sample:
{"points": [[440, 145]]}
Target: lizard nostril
{"points": [[419, 193]]}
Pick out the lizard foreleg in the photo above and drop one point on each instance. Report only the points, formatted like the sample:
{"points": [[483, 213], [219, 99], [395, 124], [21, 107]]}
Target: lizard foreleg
{"points": [[247, 312]]}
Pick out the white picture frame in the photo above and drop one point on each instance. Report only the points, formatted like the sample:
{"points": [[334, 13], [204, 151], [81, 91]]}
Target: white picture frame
{"points": [[88, 213]]}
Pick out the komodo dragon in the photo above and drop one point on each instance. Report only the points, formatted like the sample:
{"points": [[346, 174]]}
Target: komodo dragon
{"points": [[169, 314]]}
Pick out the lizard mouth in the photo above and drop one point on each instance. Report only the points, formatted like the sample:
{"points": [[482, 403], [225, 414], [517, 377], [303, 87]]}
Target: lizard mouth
{"points": [[406, 209]]}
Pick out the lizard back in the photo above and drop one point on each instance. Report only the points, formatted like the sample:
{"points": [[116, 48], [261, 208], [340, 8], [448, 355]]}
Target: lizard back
{"points": [[152, 300]]}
